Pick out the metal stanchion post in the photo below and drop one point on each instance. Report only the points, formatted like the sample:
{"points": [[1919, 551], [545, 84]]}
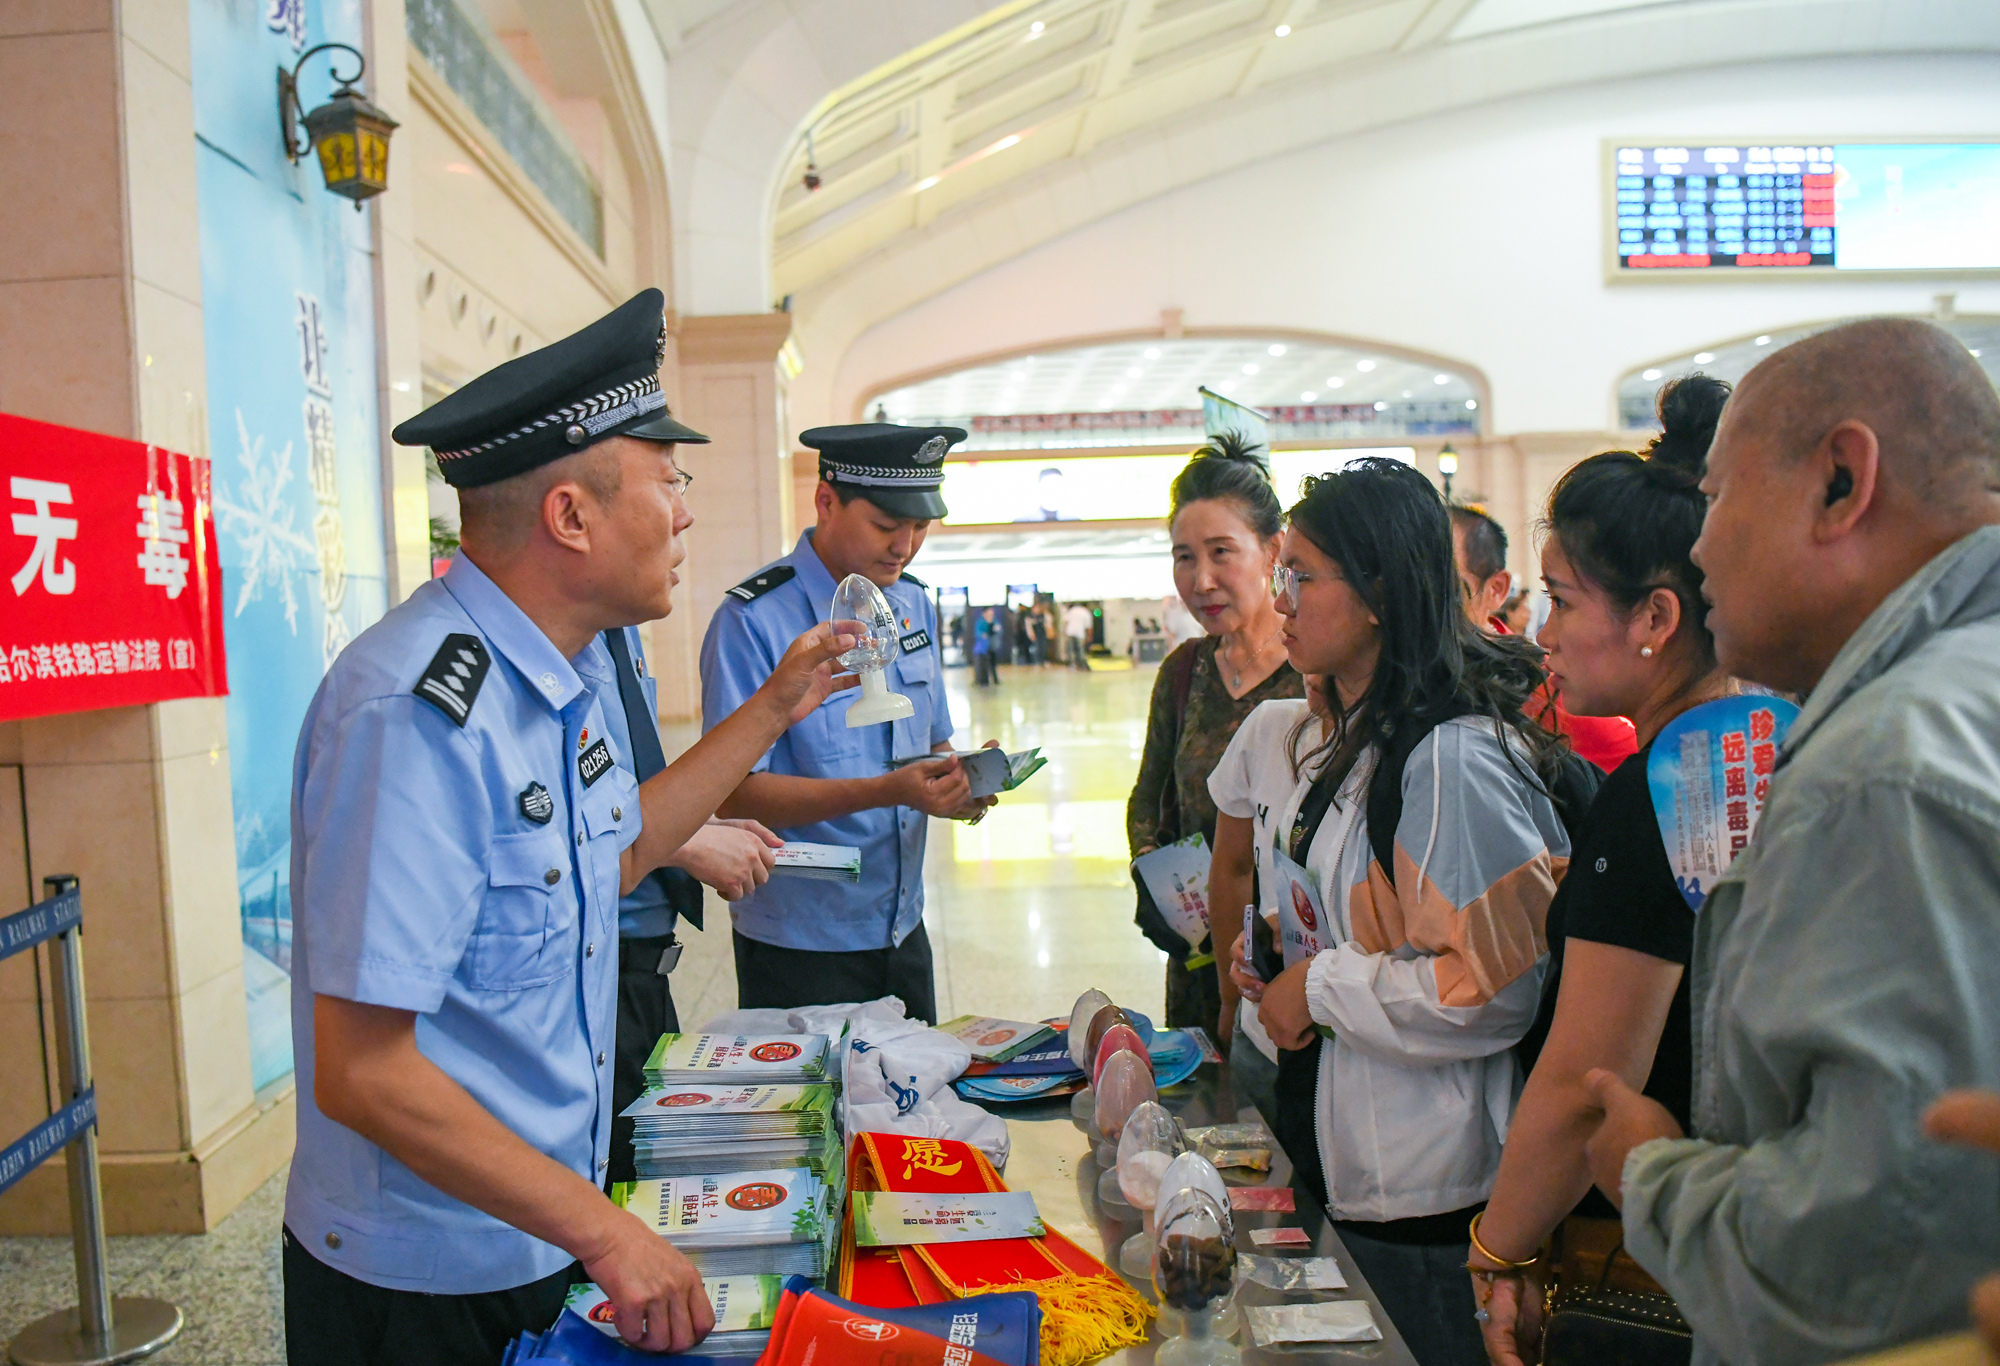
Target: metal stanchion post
{"points": [[101, 1330]]}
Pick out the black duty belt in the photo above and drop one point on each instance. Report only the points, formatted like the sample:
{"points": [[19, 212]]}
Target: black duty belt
{"points": [[660, 956]]}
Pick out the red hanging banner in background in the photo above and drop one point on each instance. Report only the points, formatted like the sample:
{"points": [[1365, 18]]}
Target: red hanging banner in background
{"points": [[110, 584]]}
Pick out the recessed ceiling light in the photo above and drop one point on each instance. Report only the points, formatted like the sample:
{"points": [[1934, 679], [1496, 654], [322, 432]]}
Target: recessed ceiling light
{"points": [[1364, 366], [1440, 379], [1471, 404], [1334, 381], [1035, 30], [1308, 396], [1703, 357], [1276, 348], [1973, 349], [1764, 340], [927, 182], [1380, 406], [1649, 375], [1284, 30], [1003, 144], [1133, 372], [1249, 369], [1151, 353]]}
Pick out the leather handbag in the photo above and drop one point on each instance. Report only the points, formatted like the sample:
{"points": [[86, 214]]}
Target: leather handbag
{"points": [[1620, 1316]]}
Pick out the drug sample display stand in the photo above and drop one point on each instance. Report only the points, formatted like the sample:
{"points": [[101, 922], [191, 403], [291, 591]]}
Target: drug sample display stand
{"points": [[1051, 1157], [100, 1330]]}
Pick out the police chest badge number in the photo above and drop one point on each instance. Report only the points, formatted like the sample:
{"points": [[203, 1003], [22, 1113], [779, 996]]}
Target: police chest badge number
{"points": [[536, 803], [593, 762], [915, 641], [452, 680]]}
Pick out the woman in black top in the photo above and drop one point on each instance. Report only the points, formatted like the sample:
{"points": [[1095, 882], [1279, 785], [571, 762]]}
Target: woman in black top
{"points": [[1626, 636]]}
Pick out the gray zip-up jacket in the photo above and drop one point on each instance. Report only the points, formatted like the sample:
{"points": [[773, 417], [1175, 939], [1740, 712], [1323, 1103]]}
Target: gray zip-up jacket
{"points": [[1847, 971]]}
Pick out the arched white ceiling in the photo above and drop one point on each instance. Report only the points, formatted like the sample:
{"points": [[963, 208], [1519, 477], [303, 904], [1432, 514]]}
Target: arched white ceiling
{"points": [[1141, 115], [744, 77]]}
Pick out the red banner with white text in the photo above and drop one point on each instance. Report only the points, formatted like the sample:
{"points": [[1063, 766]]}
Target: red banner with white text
{"points": [[110, 584]]}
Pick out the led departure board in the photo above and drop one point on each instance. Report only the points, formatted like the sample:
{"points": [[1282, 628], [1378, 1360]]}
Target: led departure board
{"points": [[1844, 206]]}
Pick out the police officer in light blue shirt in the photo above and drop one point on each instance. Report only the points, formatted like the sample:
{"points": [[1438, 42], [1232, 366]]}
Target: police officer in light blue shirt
{"points": [[800, 941], [463, 823]]}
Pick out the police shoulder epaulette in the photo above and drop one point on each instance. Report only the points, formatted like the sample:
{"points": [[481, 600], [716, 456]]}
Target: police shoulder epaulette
{"points": [[908, 577], [762, 582], [452, 680]]}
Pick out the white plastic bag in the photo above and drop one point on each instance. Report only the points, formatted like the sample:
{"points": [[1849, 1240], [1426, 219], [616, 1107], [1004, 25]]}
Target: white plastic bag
{"points": [[896, 1073]]}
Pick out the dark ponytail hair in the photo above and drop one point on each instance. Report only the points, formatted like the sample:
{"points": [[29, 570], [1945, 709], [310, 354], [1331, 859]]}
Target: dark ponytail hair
{"points": [[1627, 521], [1231, 469], [1387, 528]]}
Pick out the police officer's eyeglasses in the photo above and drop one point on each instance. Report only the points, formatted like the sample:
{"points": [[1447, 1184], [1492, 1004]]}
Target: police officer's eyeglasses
{"points": [[1285, 582], [682, 482]]}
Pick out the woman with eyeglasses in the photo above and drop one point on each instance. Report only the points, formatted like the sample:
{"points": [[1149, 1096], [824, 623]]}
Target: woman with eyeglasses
{"points": [[1418, 806]]}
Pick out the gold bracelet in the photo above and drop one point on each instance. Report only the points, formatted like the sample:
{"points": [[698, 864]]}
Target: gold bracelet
{"points": [[1502, 1263]]}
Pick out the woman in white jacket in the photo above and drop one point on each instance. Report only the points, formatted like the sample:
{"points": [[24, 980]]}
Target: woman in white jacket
{"points": [[1425, 965]]}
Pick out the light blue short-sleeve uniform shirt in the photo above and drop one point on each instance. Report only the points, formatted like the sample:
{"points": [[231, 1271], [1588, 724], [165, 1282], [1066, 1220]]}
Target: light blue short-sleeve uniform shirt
{"points": [[747, 636], [459, 805]]}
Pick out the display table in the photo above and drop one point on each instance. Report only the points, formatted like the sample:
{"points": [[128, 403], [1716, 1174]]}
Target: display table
{"points": [[1054, 1159]]}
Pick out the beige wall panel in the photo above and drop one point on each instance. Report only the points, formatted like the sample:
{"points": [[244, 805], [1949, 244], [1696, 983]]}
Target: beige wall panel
{"points": [[474, 226], [205, 919], [215, 1040], [64, 352], [133, 1058], [59, 142], [97, 820], [160, 167]]}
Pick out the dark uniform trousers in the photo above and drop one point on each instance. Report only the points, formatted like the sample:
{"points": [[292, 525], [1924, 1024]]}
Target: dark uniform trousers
{"points": [[332, 1319], [645, 1011], [771, 977]]}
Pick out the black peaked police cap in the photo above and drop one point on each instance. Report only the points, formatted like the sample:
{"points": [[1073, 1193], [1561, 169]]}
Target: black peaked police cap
{"points": [[592, 385], [898, 469]]}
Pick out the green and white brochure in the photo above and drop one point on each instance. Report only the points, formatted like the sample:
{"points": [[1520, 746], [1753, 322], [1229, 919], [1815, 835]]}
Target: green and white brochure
{"points": [[904, 1218]]}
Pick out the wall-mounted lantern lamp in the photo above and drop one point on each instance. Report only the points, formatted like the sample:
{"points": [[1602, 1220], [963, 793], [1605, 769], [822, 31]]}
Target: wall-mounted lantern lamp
{"points": [[350, 134], [1447, 466]]}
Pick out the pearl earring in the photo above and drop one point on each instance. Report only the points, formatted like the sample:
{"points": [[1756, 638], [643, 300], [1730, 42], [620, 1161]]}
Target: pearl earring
{"points": [[1645, 652]]}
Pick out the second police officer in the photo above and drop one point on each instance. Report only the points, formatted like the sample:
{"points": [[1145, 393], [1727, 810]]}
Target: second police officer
{"points": [[798, 941]]}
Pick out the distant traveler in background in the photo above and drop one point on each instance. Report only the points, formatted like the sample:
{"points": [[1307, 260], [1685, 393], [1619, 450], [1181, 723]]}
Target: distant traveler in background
{"points": [[1076, 632], [1845, 965], [1518, 613], [1038, 636], [1479, 548], [1225, 521], [1181, 625], [1420, 811], [1626, 637], [985, 649]]}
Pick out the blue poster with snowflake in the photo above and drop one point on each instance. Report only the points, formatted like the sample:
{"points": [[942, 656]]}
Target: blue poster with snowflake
{"points": [[294, 441]]}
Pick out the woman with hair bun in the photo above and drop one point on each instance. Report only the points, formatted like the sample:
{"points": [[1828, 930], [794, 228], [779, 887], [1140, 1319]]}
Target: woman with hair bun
{"points": [[1626, 636], [1225, 521]]}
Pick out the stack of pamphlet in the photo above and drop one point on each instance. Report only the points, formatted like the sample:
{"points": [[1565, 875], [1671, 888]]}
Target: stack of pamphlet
{"points": [[739, 1059], [778, 1222], [993, 1040], [694, 1130], [744, 1308]]}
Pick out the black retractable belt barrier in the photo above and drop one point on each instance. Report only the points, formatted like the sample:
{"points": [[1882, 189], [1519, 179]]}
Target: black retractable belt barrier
{"points": [[100, 1330]]}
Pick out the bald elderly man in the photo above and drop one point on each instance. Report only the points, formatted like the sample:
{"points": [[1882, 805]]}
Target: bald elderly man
{"points": [[1847, 967]]}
